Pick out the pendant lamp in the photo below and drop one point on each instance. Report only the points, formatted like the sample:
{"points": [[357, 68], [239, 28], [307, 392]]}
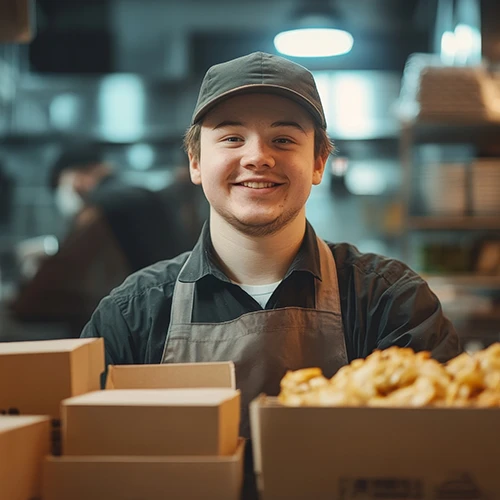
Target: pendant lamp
{"points": [[314, 31]]}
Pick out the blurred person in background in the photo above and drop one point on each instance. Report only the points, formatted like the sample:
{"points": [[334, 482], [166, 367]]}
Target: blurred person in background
{"points": [[114, 230]]}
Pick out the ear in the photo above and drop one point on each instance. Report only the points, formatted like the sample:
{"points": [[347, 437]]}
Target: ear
{"points": [[319, 169], [194, 169]]}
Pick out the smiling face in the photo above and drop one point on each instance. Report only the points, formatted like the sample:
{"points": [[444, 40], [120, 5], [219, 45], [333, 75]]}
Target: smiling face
{"points": [[256, 163]]}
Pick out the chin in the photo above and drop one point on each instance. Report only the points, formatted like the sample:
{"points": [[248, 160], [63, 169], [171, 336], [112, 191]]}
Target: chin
{"points": [[256, 231], [261, 226]]}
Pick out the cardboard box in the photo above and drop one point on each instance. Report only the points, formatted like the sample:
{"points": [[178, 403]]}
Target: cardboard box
{"points": [[145, 478], [375, 453], [24, 443], [36, 376], [171, 376], [152, 422]]}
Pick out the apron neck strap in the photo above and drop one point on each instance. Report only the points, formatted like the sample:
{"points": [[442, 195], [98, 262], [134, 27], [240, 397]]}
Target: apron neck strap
{"points": [[327, 289], [184, 299]]}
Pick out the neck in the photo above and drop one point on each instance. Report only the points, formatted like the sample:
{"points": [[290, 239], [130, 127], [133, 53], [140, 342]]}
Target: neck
{"points": [[251, 260]]}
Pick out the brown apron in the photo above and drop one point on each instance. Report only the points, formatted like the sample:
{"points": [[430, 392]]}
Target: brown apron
{"points": [[264, 344]]}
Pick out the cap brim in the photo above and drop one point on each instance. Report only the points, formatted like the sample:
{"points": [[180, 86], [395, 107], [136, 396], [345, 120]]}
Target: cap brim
{"points": [[264, 89]]}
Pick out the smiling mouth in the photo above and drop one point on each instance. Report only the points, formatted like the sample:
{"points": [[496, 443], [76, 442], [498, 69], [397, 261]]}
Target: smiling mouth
{"points": [[259, 185]]}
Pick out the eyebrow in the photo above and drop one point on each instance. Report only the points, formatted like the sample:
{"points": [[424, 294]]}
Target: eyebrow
{"points": [[288, 124], [228, 123], [231, 123]]}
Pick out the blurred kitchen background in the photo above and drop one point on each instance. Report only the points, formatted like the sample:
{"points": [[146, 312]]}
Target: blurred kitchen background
{"points": [[413, 108]]}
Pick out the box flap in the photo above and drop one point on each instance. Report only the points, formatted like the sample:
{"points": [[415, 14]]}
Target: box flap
{"points": [[175, 375], [43, 346], [154, 397]]}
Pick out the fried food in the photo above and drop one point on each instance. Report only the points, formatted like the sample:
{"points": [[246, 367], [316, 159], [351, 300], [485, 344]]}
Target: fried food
{"points": [[297, 386], [400, 377]]}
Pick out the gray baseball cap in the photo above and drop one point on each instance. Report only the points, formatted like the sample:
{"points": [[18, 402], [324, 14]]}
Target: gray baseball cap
{"points": [[259, 72]]}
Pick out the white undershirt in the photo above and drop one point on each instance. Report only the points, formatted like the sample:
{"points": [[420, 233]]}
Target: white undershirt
{"points": [[261, 293]]}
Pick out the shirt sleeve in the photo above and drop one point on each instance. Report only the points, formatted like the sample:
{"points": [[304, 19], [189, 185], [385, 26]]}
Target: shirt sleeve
{"points": [[410, 315], [108, 322]]}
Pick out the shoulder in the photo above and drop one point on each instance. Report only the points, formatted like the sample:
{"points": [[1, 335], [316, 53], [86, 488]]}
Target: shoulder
{"points": [[370, 266], [156, 279]]}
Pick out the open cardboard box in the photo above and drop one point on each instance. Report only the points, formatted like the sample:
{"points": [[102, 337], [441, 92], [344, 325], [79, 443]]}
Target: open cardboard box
{"points": [[375, 453], [152, 422], [36, 376], [24, 442], [145, 478]]}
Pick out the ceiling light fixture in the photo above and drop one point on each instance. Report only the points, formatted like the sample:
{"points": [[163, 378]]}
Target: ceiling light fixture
{"points": [[315, 33]]}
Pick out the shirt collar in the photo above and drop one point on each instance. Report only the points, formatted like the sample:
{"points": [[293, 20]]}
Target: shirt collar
{"points": [[203, 263]]}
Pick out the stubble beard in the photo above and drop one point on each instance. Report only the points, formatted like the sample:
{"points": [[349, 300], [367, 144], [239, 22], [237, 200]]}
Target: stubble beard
{"points": [[263, 229]]}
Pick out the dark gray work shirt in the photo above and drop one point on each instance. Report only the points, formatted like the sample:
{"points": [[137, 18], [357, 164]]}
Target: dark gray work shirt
{"points": [[383, 303]]}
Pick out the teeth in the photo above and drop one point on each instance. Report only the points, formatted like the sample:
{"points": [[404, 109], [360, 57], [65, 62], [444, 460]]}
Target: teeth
{"points": [[258, 185]]}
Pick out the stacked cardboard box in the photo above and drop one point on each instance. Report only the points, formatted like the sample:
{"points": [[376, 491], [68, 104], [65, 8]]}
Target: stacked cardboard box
{"points": [[24, 442], [173, 429], [35, 377], [156, 432]]}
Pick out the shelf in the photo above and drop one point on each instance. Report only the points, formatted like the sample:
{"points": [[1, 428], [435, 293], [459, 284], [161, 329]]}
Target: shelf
{"points": [[463, 280], [454, 222]]}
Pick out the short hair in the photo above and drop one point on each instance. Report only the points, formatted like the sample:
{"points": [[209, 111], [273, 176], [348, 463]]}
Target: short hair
{"points": [[323, 145], [79, 157]]}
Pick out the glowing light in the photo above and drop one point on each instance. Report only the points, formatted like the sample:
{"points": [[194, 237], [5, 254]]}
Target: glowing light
{"points": [[467, 43], [65, 110], [141, 156], [121, 106], [314, 42], [448, 47], [353, 103]]}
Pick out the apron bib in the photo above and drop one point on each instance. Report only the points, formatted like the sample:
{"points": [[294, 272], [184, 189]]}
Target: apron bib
{"points": [[264, 344]]}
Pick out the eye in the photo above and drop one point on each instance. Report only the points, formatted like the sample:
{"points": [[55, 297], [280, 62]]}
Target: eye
{"points": [[232, 139], [284, 140]]}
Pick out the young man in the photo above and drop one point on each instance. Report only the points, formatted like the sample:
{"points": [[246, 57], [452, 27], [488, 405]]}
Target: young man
{"points": [[260, 288]]}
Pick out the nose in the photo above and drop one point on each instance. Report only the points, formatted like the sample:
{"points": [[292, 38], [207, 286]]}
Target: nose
{"points": [[257, 155]]}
